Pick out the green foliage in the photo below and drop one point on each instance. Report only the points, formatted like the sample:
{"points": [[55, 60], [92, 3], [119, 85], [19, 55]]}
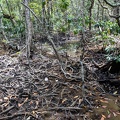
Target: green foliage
{"points": [[87, 20], [61, 15], [107, 28], [35, 7], [110, 57], [64, 5], [112, 53], [43, 3], [19, 27]]}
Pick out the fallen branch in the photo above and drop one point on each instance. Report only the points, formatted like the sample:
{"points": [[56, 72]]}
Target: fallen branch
{"points": [[16, 115], [7, 110], [65, 108]]}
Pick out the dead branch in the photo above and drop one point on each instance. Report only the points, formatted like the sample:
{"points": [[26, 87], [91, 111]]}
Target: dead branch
{"points": [[7, 110], [67, 75], [54, 48], [18, 114], [97, 65], [65, 108]]}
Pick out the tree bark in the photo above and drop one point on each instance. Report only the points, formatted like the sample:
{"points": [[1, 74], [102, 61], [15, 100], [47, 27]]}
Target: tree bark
{"points": [[28, 29], [90, 13], [117, 12]]}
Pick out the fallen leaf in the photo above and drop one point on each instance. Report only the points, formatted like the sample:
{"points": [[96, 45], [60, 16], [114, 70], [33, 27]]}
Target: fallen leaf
{"points": [[5, 98], [19, 105], [64, 100], [115, 92], [114, 114], [37, 103], [118, 113], [80, 100], [109, 116], [104, 106], [116, 101], [33, 112], [103, 117], [103, 101], [76, 97]]}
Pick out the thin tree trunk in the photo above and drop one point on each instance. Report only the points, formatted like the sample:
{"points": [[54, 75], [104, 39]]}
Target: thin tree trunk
{"points": [[43, 16], [103, 12], [117, 12], [90, 13], [28, 29], [98, 11]]}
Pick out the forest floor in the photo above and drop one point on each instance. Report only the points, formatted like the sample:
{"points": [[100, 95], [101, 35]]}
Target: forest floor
{"points": [[42, 90]]}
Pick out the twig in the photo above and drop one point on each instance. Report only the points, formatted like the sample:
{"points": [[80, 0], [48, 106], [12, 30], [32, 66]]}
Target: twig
{"points": [[67, 75], [31, 12], [54, 48], [7, 110], [65, 108]]}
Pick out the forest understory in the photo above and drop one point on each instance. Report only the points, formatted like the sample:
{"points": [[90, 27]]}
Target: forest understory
{"points": [[43, 89]]}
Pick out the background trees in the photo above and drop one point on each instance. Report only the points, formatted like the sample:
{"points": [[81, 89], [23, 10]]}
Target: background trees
{"points": [[64, 16]]}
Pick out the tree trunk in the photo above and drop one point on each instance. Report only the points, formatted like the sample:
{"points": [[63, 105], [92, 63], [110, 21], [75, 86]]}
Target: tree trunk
{"points": [[103, 12], [28, 29], [98, 11], [43, 16], [117, 12], [90, 13]]}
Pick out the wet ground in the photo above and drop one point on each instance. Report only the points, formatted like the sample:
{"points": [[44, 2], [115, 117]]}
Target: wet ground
{"points": [[40, 90]]}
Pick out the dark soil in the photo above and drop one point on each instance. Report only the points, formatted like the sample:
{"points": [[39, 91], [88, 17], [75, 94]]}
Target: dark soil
{"points": [[39, 90]]}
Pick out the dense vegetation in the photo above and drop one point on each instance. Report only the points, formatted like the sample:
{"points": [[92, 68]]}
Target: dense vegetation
{"points": [[61, 16]]}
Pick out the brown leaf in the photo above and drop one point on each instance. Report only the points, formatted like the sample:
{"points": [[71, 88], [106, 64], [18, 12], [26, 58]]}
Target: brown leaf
{"points": [[103, 117], [114, 114], [64, 100], [80, 100], [109, 115], [33, 112], [76, 97], [104, 106], [103, 101], [6, 98], [118, 113], [19, 105]]}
